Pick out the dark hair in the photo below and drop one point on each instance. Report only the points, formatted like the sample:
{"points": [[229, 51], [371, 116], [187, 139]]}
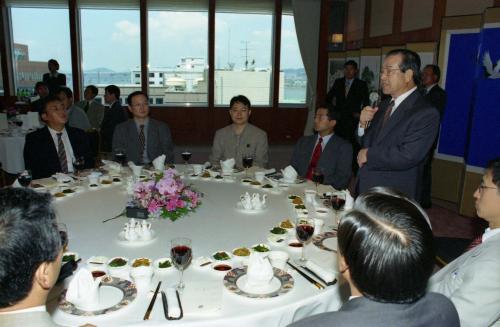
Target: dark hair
{"points": [[241, 99], [66, 90], [333, 113], [411, 60], [351, 63], [28, 237], [92, 89], [494, 166], [113, 89], [388, 246], [49, 99], [54, 62], [133, 94], [38, 84], [435, 70]]}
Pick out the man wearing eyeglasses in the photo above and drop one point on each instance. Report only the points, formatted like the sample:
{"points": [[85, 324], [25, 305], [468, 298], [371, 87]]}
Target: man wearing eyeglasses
{"points": [[472, 281], [396, 137]]}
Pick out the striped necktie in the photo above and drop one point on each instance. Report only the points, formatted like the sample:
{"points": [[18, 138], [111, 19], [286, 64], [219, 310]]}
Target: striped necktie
{"points": [[63, 160], [142, 141], [387, 113]]}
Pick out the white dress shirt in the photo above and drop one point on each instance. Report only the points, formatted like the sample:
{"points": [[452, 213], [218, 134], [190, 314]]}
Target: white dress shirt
{"points": [[489, 233], [67, 146], [40, 308]]}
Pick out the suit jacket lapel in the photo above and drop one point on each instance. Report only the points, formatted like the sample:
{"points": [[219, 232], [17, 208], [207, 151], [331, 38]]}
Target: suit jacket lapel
{"points": [[398, 115], [328, 149]]}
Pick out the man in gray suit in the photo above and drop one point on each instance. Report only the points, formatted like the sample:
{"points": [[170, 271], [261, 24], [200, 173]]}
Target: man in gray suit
{"points": [[76, 116], [93, 109], [324, 150], [142, 138], [396, 136], [472, 281], [386, 255], [30, 256]]}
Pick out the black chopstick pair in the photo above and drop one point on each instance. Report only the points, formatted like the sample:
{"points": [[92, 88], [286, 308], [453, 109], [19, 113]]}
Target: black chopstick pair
{"points": [[165, 304], [319, 285]]}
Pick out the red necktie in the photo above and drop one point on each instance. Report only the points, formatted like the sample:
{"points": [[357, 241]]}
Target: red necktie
{"points": [[315, 158], [475, 242]]}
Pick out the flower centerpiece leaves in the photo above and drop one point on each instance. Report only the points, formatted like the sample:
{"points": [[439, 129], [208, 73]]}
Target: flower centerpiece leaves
{"points": [[165, 195]]}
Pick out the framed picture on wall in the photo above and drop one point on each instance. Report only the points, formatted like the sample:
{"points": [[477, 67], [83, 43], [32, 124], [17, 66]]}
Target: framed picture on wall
{"points": [[369, 67], [335, 70]]}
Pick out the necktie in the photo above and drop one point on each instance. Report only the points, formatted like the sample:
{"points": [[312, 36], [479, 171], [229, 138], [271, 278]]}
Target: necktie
{"points": [[347, 87], [142, 141], [62, 153], [475, 242], [387, 113], [86, 108], [315, 158]]}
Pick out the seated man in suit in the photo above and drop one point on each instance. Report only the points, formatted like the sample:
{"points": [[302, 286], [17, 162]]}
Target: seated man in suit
{"points": [[76, 116], [53, 148], [93, 109], [324, 150], [31, 254], [385, 253], [472, 281], [113, 116], [143, 138], [43, 91], [240, 139]]}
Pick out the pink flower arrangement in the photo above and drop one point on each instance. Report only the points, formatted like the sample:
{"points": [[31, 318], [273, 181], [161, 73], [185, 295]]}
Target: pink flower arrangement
{"points": [[166, 196]]}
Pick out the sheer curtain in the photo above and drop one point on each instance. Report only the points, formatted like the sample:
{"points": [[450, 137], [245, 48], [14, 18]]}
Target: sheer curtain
{"points": [[307, 16]]}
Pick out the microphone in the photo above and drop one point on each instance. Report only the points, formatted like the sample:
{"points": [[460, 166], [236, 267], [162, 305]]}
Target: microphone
{"points": [[374, 99]]}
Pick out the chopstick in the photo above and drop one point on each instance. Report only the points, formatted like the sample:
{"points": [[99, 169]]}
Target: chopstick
{"points": [[309, 279], [119, 215], [152, 303], [320, 279]]}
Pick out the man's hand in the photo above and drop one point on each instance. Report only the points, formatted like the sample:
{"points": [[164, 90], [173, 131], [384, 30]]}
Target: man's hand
{"points": [[362, 157], [367, 115]]}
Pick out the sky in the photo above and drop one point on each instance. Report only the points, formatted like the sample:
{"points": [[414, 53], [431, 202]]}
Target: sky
{"points": [[110, 38]]}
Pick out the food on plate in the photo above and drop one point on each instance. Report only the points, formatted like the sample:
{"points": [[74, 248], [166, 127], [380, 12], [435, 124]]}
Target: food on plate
{"points": [[59, 195], [93, 185], [68, 191], [218, 177], [222, 267], [300, 206], [261, 248], [286, 224], [98, 273], [117, 262], [221, 255], [116, 180], [255, 183], [241, 252], [141, 262], [37, 185], [106, 181], [206, 174], [278, 230], [246, 180], [295, 244], [267, 186], [165, 264], [69, 257]]}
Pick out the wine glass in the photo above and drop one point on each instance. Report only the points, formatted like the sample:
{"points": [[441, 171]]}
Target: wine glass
{"points": [[317, 177], [63, 232], [186, 156], [338, 203], [120, 156], [181, 255], [25, 178], [247, 163], [304, 228], [79, 165]]}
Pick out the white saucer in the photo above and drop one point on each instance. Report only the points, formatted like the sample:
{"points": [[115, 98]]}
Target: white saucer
{"points": [[123, 241], [239, 207], [273, 286]]}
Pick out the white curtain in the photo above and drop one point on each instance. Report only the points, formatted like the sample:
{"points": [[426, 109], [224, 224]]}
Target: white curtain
{"points": [[307, 16]]}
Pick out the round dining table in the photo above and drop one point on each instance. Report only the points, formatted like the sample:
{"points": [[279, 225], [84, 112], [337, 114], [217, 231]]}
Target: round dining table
{"points": [[218, 224]]}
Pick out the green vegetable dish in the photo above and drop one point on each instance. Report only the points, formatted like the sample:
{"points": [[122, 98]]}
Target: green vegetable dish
{"points": [[260, 248], [68, 257], [118, 262], [221, 256], [165, 264], [278, 230]]}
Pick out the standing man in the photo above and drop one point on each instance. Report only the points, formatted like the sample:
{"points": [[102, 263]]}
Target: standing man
{"points": [[53, 148], [143, 138], [76, 116], [93, 109], [53, 78], [472, 281], [325, 150], [396, 137], [241, 138], [113, 116], [436, 96], [348, 94]]}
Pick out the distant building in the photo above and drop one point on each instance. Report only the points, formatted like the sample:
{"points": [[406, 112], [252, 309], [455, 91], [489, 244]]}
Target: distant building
{"points": [[27, 72]]}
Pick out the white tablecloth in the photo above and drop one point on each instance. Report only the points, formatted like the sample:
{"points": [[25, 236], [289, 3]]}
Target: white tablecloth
{"points": [[216, 225], [11, 153]]}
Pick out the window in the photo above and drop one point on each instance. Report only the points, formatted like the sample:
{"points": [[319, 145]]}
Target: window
{"points": [[293, 79], [178, 49], [243, 56], [151, 74], [159, 101], [110, 44], [35, 43]]}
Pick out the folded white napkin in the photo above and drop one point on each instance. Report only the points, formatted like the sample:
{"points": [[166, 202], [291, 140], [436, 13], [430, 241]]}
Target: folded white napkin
{"points": [[227, 165], [135, 169], [259, 272], [289, 173], [159, 163], [3, 121], [326, 275], [174, 311], [349, 200], [62, 178], [269, 171], [83, 290], [111, 165]]}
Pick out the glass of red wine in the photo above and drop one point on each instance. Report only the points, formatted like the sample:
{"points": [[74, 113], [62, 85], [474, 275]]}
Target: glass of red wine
{"points": [[247, 163], [121, 157], [25, 178], [63, 233], [317, 177], [338, 203], [181, 255], [186, 156], [304, 227]]}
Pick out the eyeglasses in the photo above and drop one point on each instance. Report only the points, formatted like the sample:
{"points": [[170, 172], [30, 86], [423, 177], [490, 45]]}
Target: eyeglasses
{"points": [[483, 187], [389, 71], [321, 117]]}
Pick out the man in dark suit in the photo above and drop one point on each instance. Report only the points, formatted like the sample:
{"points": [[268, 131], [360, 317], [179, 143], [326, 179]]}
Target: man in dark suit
{"points": [[436, 96], [396, 137], [54, 79], [325, 150], [113, 116], [53, 148], [385, 253], [348, 94], [143, 138], [42, 90]]}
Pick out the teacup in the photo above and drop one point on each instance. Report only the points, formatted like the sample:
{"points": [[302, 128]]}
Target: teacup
{"points": [[318, 225], [259, 176], [278, 259], [310, 196], [197, 169], [137, 170]]}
